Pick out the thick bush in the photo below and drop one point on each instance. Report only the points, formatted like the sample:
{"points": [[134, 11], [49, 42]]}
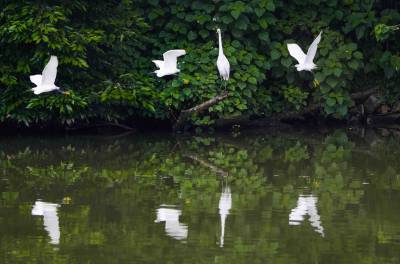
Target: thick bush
{"points": [[106, 47]]}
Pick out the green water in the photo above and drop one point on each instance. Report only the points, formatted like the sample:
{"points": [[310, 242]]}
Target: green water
{"points": [[256, 197]]}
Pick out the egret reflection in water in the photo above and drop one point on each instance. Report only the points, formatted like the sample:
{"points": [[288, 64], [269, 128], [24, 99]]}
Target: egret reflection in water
{"points": [[225, 204], [50, 219], [173, 227], [306, 205]]}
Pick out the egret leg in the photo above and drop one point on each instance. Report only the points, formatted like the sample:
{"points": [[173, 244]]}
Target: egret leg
{"points": [[313, 81], [225, 84], [220, 86]]}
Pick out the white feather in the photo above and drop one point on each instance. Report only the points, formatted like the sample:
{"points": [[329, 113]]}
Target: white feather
{"points": [[170, 58], [296, 52], [312, 50], [49, 73], [158, 63], [36, 79], [170, 64]]}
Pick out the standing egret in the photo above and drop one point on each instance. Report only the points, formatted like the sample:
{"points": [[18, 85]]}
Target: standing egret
{"points": [[222, 62], [225, 204], [50, 219], [169, 65], [306, 62], [45, 82]]}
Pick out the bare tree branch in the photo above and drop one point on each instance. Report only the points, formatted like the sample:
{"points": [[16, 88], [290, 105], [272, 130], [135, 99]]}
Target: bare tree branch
{"points": [[185, 114]]}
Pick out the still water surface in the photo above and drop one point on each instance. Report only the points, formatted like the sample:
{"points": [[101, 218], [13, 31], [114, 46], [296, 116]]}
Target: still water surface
{"points": [[250, 198]]}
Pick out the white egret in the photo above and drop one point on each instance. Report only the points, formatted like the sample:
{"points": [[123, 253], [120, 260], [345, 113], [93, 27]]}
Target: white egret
{"points": [[169, 65], [306, 205], [305, 62], [225, 204], [50, 219], [46, 81], [173, 227], [222, 62]]}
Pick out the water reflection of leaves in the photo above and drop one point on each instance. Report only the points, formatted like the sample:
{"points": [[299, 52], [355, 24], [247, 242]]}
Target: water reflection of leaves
{"points": [[129, 177]]}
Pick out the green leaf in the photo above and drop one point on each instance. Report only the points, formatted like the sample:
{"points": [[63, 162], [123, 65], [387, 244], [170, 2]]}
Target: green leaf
{"points": [[187, 91], [286, 62], [358, 55], [241, 23], [226, 19], [330, 101], [332, 81], [264, 36], [235, 13], [263, 23], [204, 33], [252, 80], [337, 72], [320, 76], [275, 54], [353, 64], [270, 6], [192, 35], [259, 11]]}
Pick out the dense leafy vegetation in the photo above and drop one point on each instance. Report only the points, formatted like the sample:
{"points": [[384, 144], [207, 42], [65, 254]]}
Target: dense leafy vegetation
{"points": [[106, 47]]}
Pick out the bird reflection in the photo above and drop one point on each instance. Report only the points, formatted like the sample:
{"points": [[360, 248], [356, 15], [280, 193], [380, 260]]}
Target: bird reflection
{"points": [[225, 204], [50, 219], [173, 227], [306, 205]]}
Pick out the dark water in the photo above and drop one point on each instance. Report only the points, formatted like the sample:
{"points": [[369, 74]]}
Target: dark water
{"points": [[249, 198]]}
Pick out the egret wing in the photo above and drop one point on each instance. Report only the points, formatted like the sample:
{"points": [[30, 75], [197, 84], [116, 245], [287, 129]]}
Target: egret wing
{"points": [[312, 50], [170, 57], [158, 63], [296, 52], [49, 73], [36, 79], [223, 67]]}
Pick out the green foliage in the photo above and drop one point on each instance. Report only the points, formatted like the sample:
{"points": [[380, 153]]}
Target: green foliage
{"points": [[105, 51], [383, 32], [295, 96], [92, 42]]}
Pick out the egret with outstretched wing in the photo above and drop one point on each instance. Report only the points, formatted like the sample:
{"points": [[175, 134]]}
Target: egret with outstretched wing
{"points": [[305, 61], [170, 64], [46, 81]]}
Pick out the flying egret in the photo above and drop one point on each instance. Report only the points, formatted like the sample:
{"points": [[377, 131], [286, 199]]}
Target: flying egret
{"points": [[225, 204], [50, 219], [173, 227], [222, 62], [306, 62], [169, 65], [306, 205], [45, 82]]}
